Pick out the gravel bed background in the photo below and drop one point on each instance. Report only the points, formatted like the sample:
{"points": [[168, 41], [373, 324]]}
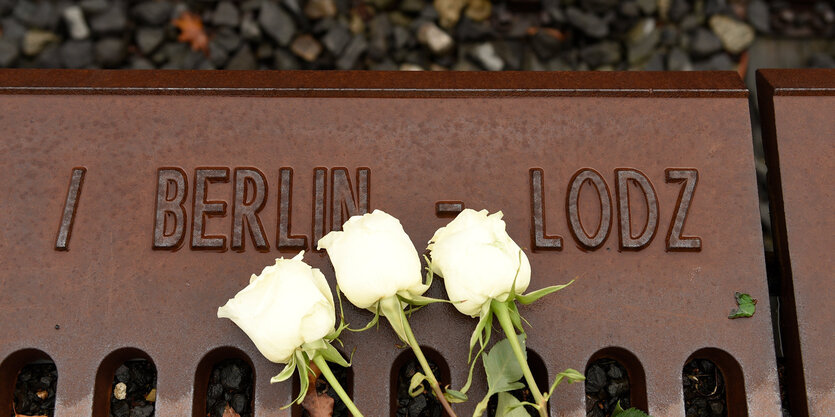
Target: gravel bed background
{"points": [[402, 34]]}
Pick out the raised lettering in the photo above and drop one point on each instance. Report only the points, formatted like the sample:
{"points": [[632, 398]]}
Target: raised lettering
{"points": [[540, 240], [319, 189], [250, 196], [628, 240], [204, 209], [343, 204], [675, 241], [169, 208], [595, 240], [285, 240], [62, 242]]}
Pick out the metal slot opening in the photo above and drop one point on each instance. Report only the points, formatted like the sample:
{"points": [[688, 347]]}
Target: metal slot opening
{"points": [[614, 375]]}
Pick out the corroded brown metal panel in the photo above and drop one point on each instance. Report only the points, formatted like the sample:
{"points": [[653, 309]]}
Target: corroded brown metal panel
{"points": [[798, 108], [419, 146]]}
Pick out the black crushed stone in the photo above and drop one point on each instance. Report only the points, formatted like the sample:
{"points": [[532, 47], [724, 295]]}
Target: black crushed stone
{"points": [[140, 378], [33, 382], [422, 405], [230, 384], [704, 389], [607, 383]]}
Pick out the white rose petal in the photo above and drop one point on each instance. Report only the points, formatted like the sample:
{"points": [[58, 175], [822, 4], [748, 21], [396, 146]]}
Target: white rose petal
{"points": [[478, 260], [287, 305], [373, 258]]}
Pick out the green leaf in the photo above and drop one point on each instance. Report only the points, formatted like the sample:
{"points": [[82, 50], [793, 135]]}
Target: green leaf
{"points": [[418, 300], [533, 296], [515, 317], [570, 375], [429, 273], [391, 309], [747, 306], [481, 335], [285, 373], [370, 323], [416, 384], [454, 396], [304, 381], [332, 355], [502, 368], [509, 406], [632, 412]]}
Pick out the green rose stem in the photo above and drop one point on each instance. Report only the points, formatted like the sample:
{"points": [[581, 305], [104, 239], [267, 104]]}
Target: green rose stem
{"points": [[433, 381], [326, 371], [501, 311]]}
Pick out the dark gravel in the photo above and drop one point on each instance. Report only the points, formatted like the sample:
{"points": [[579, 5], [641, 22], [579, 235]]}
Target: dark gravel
{"points": [[607, 383], [422, 405], [140, 380], [704, 389], [230, 384], [35, 390], [322, 386], [405, 34]]}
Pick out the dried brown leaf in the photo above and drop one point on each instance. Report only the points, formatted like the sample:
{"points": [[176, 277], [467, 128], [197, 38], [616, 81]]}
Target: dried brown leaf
{"points": [[230, 412], [192, 32], [317, 404]]}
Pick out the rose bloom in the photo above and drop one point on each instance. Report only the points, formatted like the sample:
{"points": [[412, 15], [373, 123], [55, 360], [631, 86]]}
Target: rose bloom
{"points": [[478, 260], [373, 258], [287, 305]]}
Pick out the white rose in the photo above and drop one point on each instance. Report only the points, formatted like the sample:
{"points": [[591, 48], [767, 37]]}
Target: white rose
{"points": [[478, 260], [374, 259], [288, 305]]}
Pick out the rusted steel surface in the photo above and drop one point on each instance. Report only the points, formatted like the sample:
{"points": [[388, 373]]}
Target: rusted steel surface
{"points": [[672, 150], [798, 113]]}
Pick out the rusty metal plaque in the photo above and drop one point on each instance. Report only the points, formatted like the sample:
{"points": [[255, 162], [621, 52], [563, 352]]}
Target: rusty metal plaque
{"points": [[798, 113], [135, 203]]}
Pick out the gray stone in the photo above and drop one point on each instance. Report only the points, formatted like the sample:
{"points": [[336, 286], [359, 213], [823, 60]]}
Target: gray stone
{"points": [[336, 39], [149, 39], [35, 40], [678, 60], [511, 52], [718, 62], [589, 23], [228, 38], [226, 14], [438, 41], [599, 6], [691, 21], [469, 30], [110, 52], [77, 53], [243, 60], [736, 36], [759, 16], [41, 14], [8, 52], [12, 29], [379, 29], [643, 49], [318, 9], [821, 60], [704, 43], [544, 44], [276, 23], [630, 9], [713, 7], [139, 63], [655, 62], [76, 25], [94, 6], [49, 58], [678, 9], [217, 54], [284, 60], [142, 411], [264, 51], [485, 55], [113, 20], [602, 53], [249, 28], [352, 53], [648, 6], [306, 47], [154, 13]]}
